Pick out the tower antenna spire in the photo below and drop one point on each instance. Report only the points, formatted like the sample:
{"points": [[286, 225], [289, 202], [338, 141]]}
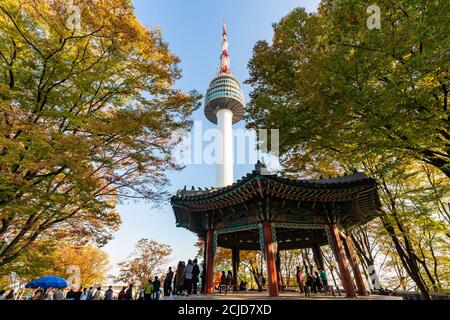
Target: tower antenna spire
{"points": [[225, 64]]}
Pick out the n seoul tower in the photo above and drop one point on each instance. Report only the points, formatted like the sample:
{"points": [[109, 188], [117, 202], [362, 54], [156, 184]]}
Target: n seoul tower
{"points": [[224, 106]]}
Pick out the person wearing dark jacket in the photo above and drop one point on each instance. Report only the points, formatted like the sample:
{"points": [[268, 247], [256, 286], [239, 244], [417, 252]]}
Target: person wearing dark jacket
{"points": [[70, 295], [121, 295], [168, 282], [156, 288], [309, 284], [109, 293], [78, 294], [129, 293], [203, 277], [317, 283], [195, 276]]}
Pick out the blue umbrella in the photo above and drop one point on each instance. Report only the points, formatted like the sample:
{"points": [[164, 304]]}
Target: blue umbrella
{"points": [[48, 282]]}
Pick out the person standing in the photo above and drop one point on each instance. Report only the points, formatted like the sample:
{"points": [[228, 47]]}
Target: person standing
{"points": [[70, 295], [90, 293], [309, 284], [168, 282], [299, 276], [59, 294], [97, 294], [223, 281], [129, 293], [195, 276], [179, 281], [122, 294], [229, 281], [109, 293], [188, 277], [141, 294], [156, 288], [84, 294], [78, 294], [175, 290], [317, 283], [203, 277], [323, 277], [49, 294], [229, 278], [38, 295], [148, 290]]}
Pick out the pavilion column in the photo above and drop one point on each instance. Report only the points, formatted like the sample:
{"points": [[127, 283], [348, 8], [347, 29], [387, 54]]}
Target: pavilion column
{"points": [[318, 258], [209, 247], [235, 264], [342, 262], [270, 258], [354, 261]]}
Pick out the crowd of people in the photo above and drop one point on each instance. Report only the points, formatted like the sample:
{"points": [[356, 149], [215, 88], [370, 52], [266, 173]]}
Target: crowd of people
{"points": [[63, 294], [314, 282], [183, 282]]}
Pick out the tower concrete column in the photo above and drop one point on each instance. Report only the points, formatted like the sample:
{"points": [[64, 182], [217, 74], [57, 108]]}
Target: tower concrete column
{"points": [[224, 148]]}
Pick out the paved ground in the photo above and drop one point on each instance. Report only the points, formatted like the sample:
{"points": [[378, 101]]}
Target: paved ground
{"points": [[283, 296]]}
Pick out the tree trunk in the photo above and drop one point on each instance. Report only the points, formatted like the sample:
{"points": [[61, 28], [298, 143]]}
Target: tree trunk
{"points": [[409, 261]]}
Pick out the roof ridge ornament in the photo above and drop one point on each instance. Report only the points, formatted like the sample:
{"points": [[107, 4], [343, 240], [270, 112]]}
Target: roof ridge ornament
{"points": [[260, 166]]}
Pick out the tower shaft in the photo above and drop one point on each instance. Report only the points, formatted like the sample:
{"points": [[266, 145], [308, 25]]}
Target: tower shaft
{"points": [[224, 148]]}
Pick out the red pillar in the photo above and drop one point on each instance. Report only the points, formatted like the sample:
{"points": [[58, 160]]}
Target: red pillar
{"points": [[354, 261], [209, 288], [270, 259], [342, 262]]}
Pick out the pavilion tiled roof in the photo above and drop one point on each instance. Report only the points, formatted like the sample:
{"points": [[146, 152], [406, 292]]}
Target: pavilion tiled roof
{"points": [[356, 179], [357, 190]]}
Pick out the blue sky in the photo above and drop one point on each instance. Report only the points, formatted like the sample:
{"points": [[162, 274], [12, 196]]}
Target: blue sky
{"points": [[193, 30]]}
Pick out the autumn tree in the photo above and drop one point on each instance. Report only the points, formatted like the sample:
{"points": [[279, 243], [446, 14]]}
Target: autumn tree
{"points": [[82, 265], [87, 112], [346, 97], [253, 263], [31, 264], [290, 259], [148, 260], [329, 82]]}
